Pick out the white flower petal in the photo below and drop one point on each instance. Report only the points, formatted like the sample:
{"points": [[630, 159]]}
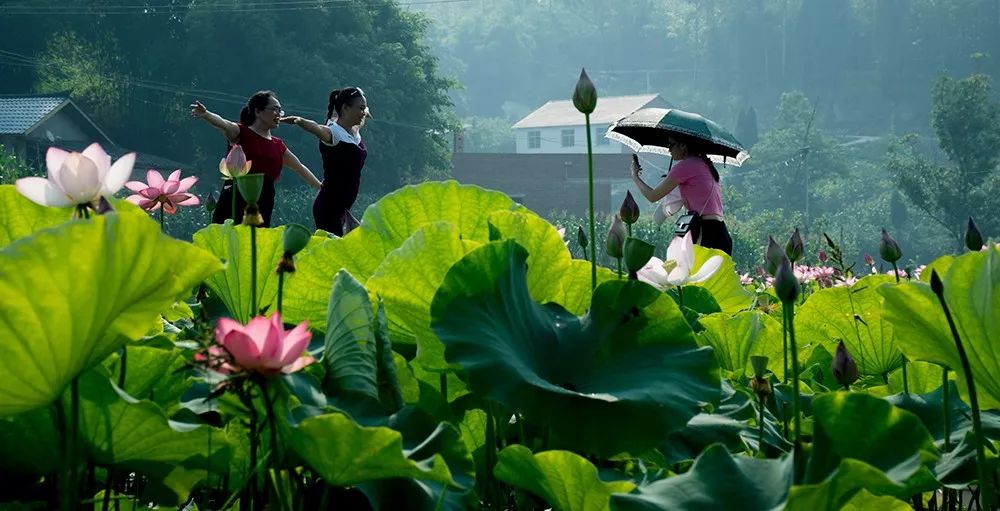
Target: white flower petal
{"points": [[686, 257], [708, 269], [653, 273], [100, 158], [679, 276], [54, 159], [41, 191], [80, 179], [118, 174]]}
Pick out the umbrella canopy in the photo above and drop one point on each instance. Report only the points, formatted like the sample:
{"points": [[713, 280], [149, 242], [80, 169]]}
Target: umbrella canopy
{"points": [[648, 129]]}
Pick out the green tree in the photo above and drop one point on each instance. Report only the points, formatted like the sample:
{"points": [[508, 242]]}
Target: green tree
{"points": [[966, 121]]}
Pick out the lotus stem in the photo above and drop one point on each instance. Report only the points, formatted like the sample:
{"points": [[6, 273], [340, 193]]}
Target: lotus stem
{"points": [[906, 385], [161, 218], [628, 228], [69, 491], [789, 313], [254, 445], [122, 367], [760, 425], [784, 345], [985, 483], [895, 271], [491, 455], [232, 202], [281, 286], [590, 189], [271, 423], [253, 271], [619, 267], [946, 504], [680, 298]]}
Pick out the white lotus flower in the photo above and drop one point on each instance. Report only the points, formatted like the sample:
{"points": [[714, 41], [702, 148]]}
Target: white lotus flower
{"points": [[668, 206], [677, 269], [77, 178]]}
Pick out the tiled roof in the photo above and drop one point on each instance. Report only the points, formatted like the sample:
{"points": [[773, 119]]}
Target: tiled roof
{"points": [[19, 113], [563, 113]]}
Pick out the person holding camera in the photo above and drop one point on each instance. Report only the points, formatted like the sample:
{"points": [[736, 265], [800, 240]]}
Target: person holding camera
{"points": [[698, 180]]}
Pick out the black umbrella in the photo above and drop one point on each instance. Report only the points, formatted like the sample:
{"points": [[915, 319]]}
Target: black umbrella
{"points": [[648, 130]]}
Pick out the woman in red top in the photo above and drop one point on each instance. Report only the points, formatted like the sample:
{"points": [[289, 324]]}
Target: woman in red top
{"points": [[267, 153]]}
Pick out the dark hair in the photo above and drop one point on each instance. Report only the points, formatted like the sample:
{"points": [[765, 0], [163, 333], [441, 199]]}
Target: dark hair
{"points": [[256, 102], [697, 148], [341, 97]]}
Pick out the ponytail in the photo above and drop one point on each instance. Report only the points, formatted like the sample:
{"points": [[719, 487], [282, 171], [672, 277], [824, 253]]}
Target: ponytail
{"points": [[256, 102], [331, 107], [711, 167]]}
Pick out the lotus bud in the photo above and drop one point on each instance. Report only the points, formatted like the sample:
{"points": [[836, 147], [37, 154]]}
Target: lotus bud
{"points": [[936, 285], [888, 248], [250, 186], [235, 163], [104, 207], [581, 237], [973, 239], [615, 242], [844, 368], [786, 285], [637, 254], [212, 201], [585, 95], [629, 209], [794, 248], [774, 255], [822, 256], [869, 260], [293, 240]]}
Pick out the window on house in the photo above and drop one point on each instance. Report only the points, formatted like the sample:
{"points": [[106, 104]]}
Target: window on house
{"points": [[568, 138], [534, 139], [599, 138]]}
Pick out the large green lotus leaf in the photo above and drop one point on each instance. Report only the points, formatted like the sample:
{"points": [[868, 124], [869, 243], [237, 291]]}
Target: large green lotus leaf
{"points": [[407, 280], [577, 290], [72, 294], [231, 243], [119, 431], [717, 480], [827, 318], [19, 217], [345, 453], [734, 338], [921, 378], [548, 256], [567, 481], [349, 348], [152, 373], [929, 407], [863, 442], [864, 501], [385, 226], [733, 424], [633, 357], [972, 292], [724, 283]]}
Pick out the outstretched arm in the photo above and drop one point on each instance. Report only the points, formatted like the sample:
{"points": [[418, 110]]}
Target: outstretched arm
{"points": [[651, 194], [291, 161], [227, 127], [320, 131]]}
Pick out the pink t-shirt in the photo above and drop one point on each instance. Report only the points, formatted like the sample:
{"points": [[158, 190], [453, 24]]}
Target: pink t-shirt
{"points": [[699, 190]]}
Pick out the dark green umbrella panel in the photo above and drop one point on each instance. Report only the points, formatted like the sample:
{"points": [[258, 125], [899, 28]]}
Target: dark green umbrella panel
{"points": [[647, 130]]}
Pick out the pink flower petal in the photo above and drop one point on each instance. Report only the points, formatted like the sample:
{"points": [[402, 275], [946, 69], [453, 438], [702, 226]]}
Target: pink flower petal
{"points": [[261, 331], [187, 183], [175, 175], [243, 348], [295, 342], [149, 205], [185, 199], [136, 186], [151, 193], [170, 187], [135, 199], [154, 178], [224, 326], [298, 364]]}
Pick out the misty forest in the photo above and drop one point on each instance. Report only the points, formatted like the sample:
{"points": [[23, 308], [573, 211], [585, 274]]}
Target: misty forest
{"points": [[571, 255]]}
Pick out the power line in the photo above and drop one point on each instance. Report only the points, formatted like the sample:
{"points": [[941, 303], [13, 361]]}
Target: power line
{"points": [[11, 58], [172, 9]]}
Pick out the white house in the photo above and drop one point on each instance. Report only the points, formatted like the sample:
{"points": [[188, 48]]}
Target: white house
{"points": [[557, 127]]}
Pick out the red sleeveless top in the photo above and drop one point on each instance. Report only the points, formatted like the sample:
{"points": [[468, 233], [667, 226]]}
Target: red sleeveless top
{"points": [[266, 155]]}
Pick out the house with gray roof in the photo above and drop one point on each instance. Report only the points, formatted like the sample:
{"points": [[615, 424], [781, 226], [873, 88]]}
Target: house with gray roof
{"points": [[31, 123]]}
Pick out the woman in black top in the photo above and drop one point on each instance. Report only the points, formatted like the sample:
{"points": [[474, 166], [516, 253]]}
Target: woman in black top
{"points": [[343, 153]]}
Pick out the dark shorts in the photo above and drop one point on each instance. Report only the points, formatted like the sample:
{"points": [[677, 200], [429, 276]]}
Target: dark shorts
{"points": [[712, 234], [224, 209]]}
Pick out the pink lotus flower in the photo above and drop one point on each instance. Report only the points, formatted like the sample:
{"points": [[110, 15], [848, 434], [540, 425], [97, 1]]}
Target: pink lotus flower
{"points": [[168, 193], [235, 163], [264, 346], [822, 256]]}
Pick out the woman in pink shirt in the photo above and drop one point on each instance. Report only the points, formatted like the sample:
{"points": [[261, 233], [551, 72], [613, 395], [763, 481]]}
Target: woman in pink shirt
{"points": [[698, 180]]}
